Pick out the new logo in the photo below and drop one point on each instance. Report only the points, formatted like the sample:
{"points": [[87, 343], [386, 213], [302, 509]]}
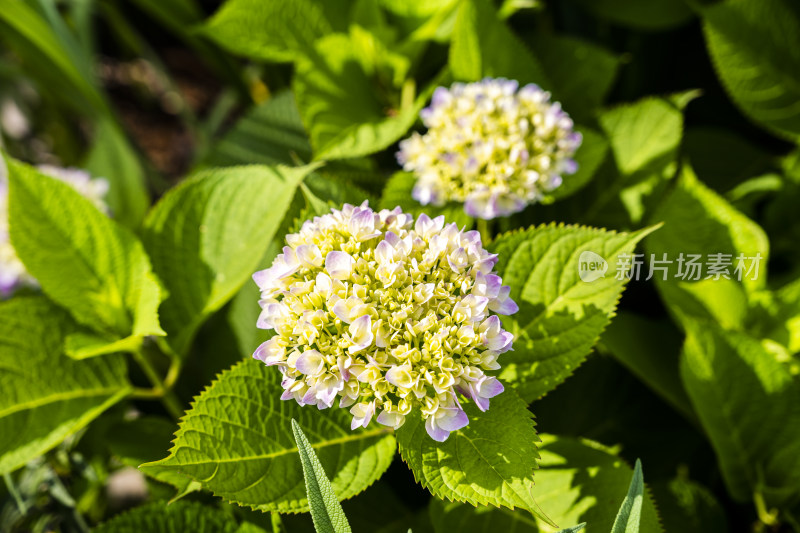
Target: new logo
{"points": [[591, 266]]}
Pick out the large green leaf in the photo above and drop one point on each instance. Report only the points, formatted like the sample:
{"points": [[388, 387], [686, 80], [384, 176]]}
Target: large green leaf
{"points": [[237, 442], [577, 481], [46, 395], [84, 261], [482, 47], [271, 133], [699, 222], [749, 404], [326, 510], [207, 236], [753, 47], [560, 316], [281, 30], [489, 462], [158, 517], [643, 134], [345, 94]]}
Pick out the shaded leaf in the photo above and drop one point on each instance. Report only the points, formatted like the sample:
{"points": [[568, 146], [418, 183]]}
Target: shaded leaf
{"points": [[46, 395], [753, 48], [748, 402]]}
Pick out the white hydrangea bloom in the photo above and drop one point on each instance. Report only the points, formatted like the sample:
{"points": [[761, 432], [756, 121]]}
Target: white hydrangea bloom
{"points": [[386, 314], [491, 146], [12, 271]]}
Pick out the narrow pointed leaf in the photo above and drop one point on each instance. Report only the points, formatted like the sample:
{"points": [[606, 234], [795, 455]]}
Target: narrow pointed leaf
{"points": [[630, 513], [325, 507]]}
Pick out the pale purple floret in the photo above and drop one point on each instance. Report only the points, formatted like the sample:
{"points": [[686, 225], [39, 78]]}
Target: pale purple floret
{"points": [[445, 421], [481, 390]]}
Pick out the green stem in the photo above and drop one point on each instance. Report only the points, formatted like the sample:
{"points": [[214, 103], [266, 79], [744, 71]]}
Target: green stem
{"points": [[485, 231], [768, 518], [166, 395]]}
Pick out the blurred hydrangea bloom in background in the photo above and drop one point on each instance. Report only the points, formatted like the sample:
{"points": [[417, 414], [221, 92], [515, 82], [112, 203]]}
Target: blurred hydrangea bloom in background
{"points": [[491, 145], [387, 314], [12, 271]]}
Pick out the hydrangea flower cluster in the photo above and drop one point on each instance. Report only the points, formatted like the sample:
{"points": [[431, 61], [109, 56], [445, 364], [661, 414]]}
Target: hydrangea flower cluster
{"points": [[490, 146], [387, 315], [12, 271]]}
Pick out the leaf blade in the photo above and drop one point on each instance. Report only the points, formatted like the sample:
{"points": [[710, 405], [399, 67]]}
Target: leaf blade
{"points": [[325, 507]]}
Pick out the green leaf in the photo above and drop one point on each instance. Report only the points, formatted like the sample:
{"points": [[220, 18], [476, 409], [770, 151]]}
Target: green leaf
{"points": [[207, 236], [158, 517], [489, 462], [482, 46], [46, 395], [754, 52], [398, 193], [644, 134], [344, 111], [113, 159], [269, 134], [574, 529], [749, 404], [84, 261], [236, 442], [578, 481], [629, 516], [325, 508], [273, 31], [697, 221], [560, 316]]}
